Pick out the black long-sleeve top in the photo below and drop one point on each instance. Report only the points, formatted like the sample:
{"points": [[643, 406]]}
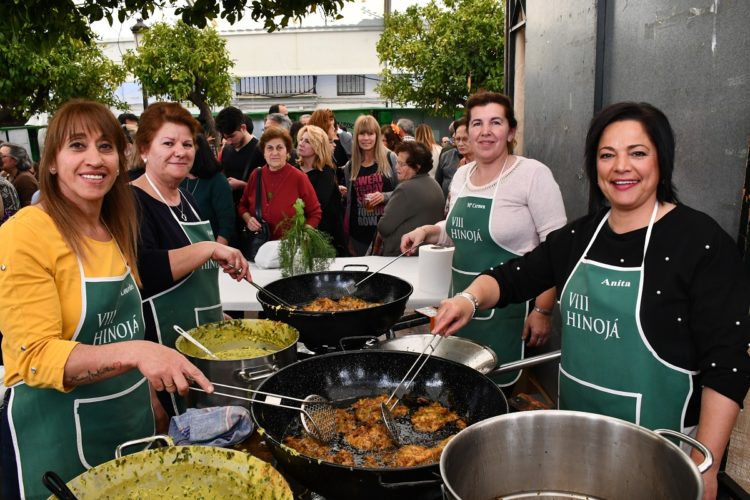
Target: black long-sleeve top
{"points": [[695, 298]]}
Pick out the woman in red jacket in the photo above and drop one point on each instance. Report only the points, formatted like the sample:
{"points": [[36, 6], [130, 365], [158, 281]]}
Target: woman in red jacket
{"points": [[281, 185]]}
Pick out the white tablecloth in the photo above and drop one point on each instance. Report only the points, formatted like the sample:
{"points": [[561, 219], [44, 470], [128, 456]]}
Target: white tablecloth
{"points": [[241, 296]]}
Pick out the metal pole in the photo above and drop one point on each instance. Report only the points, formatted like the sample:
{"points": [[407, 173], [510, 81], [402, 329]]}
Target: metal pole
{"points": [[138, 29]]}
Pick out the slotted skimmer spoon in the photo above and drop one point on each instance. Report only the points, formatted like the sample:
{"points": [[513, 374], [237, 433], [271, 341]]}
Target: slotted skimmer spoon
{"points": [[317, 414], [350, 289], [385, 409]]}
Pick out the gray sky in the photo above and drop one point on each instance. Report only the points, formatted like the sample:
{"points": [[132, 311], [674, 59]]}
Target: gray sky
{"points": [[353, 13]]}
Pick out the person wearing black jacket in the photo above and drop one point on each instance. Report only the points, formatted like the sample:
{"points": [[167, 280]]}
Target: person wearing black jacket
{"points": [[314, 158]]}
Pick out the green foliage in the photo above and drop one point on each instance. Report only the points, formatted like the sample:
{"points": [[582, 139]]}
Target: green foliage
{"points": [[304, 249], [43, 22], [435, 56], [33, 82], [183, 63]]}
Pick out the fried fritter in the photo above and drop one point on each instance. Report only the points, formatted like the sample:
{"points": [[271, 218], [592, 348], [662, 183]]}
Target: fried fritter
{"points": [[345, 421], [367, 410], [346, 303], [413, 454], [435, 416], [368, 438]]}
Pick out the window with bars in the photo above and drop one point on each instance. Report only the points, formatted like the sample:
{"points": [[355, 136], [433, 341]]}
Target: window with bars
{"points": [[276, 86], [350, 84]]}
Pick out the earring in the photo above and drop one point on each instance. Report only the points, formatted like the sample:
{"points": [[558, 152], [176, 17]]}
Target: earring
{"points": [[145, 160], [53, 170]]}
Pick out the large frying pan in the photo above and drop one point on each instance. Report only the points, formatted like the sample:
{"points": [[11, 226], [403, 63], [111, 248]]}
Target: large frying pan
{"points": [[356, 374], [326, 328]]}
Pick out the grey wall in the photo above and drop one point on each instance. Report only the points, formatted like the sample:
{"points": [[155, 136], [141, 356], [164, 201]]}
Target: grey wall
{"points": [[690, 58]]}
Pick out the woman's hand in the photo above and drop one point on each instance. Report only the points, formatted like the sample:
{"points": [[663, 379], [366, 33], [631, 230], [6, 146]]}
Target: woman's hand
{"points": [[253, 224], [536, 329], [166, 369], [343, 190], [231, 261], [453, 314], [411, 240], [375, 199]]}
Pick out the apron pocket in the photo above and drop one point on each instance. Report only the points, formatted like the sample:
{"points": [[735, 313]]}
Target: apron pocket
{"points": [[104, 422], [579, 395], [210, 314]]}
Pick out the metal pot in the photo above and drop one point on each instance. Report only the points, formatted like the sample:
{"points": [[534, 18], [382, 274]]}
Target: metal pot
{"points": [[177, 472], [319, 329], [566, 454], [356, 374], [458, 349], [238, 372]]}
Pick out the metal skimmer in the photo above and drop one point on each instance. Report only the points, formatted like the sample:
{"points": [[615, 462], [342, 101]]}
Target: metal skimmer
{"points": [[317, 414], [401, 389]]}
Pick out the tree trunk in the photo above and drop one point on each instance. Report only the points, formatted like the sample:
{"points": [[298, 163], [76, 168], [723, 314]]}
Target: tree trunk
{"points": [[207, 120]]}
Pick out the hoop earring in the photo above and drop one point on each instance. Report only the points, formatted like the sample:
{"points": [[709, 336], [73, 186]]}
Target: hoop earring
{"points": [[53, 170]]}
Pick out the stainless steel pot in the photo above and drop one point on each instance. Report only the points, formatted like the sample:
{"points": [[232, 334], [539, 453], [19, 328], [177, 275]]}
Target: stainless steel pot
{"points": [[280, 338], [461, 350], [566, 455]]}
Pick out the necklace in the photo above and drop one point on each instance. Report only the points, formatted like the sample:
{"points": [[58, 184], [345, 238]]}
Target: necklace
{"points": [[183, 217], [498, 178]]}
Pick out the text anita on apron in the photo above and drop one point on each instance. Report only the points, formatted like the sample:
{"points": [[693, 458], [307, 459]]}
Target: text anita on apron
{"points": [[193, 301], [607, 365]]}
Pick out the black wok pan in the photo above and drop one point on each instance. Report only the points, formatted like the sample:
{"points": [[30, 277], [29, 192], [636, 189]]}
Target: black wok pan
{"points": [[356, 374], [326, 328]]}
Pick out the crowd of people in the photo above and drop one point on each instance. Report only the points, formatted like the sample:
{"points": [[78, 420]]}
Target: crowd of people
{"points": [[120, 233]]}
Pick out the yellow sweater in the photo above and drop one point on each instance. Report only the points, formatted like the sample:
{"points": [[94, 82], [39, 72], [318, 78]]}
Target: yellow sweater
{"points": [[41, 296]]}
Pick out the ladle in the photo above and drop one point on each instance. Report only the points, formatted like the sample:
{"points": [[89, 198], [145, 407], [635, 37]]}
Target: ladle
{"points": [[316, 413], [192, 340]]}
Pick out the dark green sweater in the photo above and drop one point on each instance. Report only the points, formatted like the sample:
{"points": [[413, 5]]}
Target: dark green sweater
{"points": [[214, 197]]}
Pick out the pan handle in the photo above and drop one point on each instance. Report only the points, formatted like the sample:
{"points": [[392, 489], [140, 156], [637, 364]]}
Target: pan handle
{"points": [[365, 266], [708, 456], [409, 484], [147, 440], [246, 375], [57, 486], [369, 341], [526, 363]]}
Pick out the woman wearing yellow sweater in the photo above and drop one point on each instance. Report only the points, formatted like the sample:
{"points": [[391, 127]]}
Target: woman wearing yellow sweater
{"points": [[71, 318]]}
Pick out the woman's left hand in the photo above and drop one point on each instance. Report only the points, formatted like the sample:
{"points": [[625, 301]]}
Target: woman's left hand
{"points": [[231, 261], [536, 329], [376, 199]]}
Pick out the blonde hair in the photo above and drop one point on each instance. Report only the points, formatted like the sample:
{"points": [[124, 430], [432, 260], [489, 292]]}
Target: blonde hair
{"points": [[368, 124], [320, 144], [118, 210]]}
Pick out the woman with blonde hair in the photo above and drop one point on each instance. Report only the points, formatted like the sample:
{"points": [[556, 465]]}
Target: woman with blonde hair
{"points": [[314, 158], [75, 358], [370, 178], [425, 137]]}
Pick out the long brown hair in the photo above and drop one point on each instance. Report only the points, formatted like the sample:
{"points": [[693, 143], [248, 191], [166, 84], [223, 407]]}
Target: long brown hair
{"points": [[368, 124], [320, 145], [118, 208]]}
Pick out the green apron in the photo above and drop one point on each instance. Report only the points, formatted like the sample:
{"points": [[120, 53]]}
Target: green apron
{"points": [[193, 301], [607, 365], [468, 225], [71, 432]]}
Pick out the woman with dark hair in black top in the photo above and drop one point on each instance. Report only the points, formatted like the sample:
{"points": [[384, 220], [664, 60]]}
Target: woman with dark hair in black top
{"points": [[653, 294], [211, 190]]}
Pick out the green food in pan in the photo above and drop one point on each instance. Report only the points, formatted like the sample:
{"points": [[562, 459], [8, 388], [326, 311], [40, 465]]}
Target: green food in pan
{"points": [[239, 339]]}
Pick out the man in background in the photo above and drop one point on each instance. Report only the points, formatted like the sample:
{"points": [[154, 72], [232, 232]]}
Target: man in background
{"points": [[278, 108], [407, 129]]}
